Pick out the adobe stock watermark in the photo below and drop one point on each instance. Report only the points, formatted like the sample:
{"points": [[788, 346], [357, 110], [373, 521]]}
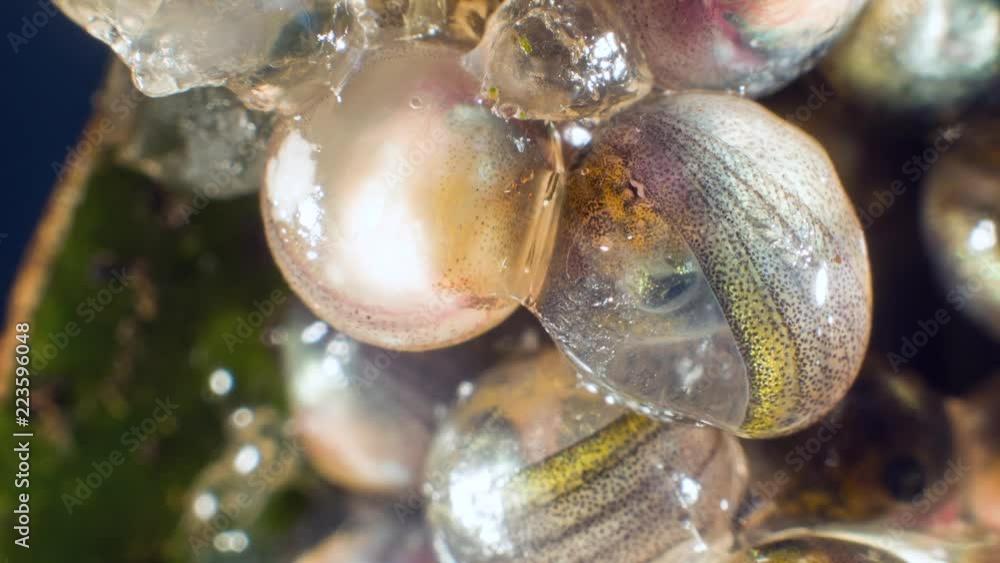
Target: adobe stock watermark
{"points": [[958, 297], [105, 468], [87, 311], [244, 328], [914, 168], [31, 25]]}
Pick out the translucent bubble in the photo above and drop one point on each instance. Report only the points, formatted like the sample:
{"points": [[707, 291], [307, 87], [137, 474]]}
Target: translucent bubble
{"points": [[702, 243], [926, 59], [880, 452], [366, 414], [545, 60], [961, 216], [752, 48], [408, 227], [530, 468]]}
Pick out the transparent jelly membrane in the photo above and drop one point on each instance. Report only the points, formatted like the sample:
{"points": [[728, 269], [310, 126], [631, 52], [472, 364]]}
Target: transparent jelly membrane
{"points": [[708, 265], [923, 59], [365, 414], [751, 48], [541, 59], [879, 452], [531, 468], [961, 215], [404, 212], [878, 543]]}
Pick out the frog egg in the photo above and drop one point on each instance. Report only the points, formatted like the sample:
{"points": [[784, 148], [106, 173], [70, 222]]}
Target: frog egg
{"points": [[877, 453], [922, 59], [709, 265], [530, 468], [405, 214], [558, 62], [365, 414], [753, 48], [960, 215]]}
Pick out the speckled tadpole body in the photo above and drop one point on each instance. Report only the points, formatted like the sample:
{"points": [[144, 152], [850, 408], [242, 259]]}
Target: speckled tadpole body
{"points": [[531, 469], [708, 264]]}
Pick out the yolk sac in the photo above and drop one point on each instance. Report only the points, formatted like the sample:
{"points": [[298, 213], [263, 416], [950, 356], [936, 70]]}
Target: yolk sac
{"points": [[407, 213], [960, 216], [708, 265], [558, 60], [875, 454], [924, 60], [530, 468], [383, 404], [750, 47]]}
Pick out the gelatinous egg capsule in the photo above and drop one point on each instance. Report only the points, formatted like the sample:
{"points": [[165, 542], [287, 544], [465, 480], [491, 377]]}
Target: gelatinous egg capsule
{"points": [[405, 213], [365, 414], [540, 60], [708, 265], [960, 215], [871, 545], [753, 48], [879, 452], [926, 59], [530, 468]]}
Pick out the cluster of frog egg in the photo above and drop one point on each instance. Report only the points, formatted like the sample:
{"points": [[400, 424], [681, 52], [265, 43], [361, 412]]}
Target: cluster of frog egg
{"points": [[694, 258]]}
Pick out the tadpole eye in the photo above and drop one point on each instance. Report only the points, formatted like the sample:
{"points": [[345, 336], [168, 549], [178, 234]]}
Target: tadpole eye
{"points": [[904, 478], [664, 291]]}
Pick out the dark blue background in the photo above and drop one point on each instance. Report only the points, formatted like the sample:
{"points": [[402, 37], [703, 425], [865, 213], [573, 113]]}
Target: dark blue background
{"points": [[47, 90]]}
